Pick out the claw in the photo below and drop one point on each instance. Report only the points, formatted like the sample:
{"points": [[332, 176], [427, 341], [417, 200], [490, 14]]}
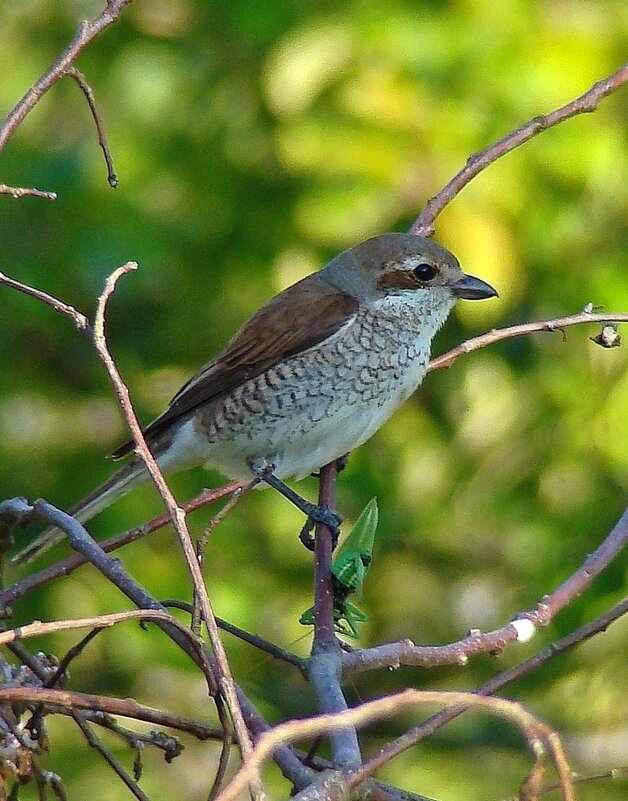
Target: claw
{"points": [[325, 516]]}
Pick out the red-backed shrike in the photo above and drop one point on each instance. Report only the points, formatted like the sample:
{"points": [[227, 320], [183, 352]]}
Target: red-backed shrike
{"points": [[311, 376]]}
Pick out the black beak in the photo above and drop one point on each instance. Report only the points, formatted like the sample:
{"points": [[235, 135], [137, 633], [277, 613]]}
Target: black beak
{"points": [[472, 288]]}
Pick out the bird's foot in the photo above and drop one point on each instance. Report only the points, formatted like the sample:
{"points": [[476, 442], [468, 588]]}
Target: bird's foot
{"points": [[315, 514], [326, 517]]}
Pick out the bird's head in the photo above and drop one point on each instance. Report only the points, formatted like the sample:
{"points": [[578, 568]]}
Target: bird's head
{"points": [[403, 264]]}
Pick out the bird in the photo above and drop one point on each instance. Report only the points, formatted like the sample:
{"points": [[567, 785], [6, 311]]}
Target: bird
{"points": [[312, 375]]}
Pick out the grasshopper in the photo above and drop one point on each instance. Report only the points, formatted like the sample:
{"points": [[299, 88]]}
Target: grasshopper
{"points": [[348, 572]]}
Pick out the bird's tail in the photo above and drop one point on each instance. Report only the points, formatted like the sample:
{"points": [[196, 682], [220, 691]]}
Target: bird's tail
{"points": [[129, 476]]}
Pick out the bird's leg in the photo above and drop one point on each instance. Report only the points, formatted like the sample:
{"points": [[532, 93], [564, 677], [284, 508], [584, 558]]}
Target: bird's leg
{"points": [[341, 463], [315, 514]]}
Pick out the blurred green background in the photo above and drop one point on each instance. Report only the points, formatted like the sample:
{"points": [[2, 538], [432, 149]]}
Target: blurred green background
{"points": [[253, 141]]}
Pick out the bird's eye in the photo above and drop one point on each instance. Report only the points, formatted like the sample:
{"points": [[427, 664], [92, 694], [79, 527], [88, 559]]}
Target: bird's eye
{"points": [[424, 272]]}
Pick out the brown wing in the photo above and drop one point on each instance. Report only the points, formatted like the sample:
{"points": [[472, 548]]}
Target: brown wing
{"points": [[297, 319]]}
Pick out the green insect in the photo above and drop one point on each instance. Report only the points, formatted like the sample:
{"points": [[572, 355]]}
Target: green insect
{"points": [[348, 572]]}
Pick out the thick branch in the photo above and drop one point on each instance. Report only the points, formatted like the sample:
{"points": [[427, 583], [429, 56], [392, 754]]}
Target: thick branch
{"points": [[325, 662]]}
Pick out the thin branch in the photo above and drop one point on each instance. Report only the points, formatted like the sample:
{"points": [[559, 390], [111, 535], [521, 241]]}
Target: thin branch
{"points": [[69, 565], [72, 653], [610, 775], [68, 700], [94, 742], [252, 639], [80, 320], [39, 628], [86, 32], [575, 585], [588, 102], [494, 685], [539, 735], [26, 191], [500, 334], [201, 544], [169, 744], [407, 653], [81, 80], [220, 515], [225, 679]]}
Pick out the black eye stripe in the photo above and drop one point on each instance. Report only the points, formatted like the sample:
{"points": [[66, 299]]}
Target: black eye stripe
{"points": [[424, 272]]}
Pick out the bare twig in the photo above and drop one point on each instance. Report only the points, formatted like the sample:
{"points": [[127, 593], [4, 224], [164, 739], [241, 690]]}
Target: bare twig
{"points": [[609, 775], [497, 683], [123, 707], [540, 736], [69, 565], [202, 541], [80, 320], [252, 639], [169, 744], [582, 578], [499, 334], [225, 679], [407, 653], [94, 742], [39, 628], [81, 80], [72, 653], [589, 101], [196, 618], [220, 515], [86, 32], [24, 191]]}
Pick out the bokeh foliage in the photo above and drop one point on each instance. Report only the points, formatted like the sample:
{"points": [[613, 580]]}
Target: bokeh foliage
{"points": [[253, 141]]}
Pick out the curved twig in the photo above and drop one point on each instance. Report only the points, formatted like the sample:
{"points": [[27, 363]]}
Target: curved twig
{"points": [[86, 32], [84, 86], [177, 514], [589, 101]]}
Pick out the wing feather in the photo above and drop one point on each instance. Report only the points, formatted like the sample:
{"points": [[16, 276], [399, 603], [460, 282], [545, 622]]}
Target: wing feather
{"points": [[297, 319]]}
